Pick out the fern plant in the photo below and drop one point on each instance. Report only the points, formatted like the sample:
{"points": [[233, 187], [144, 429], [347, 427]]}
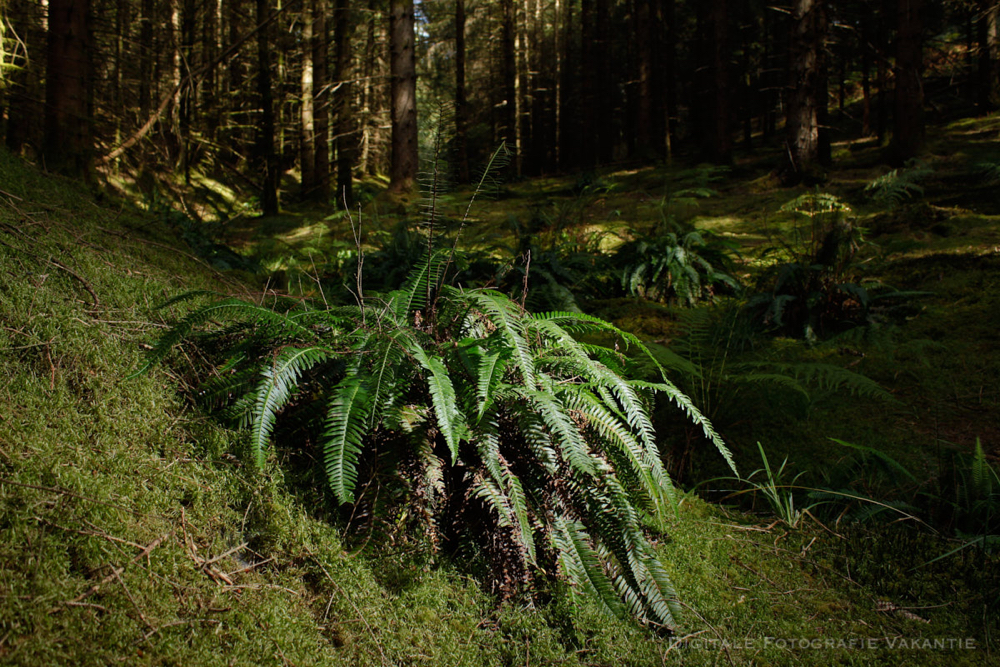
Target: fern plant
{"points": [[526, 440], [681, 267], [897, 186]]}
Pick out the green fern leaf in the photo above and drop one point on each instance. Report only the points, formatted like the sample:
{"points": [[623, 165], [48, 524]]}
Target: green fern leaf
{"points": [[276, 387], [449, 417], [345, 430]]}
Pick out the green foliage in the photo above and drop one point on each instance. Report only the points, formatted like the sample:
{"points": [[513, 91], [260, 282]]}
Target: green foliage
{"points": [[529, 436], [779, 495], [817, 293], [899, 185], [681, 268]]}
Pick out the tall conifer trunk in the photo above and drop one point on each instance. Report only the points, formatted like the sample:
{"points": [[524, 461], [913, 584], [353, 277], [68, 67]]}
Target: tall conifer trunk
{"points": [[67, 145], [403, 97], [908, 116], [267, 162]]}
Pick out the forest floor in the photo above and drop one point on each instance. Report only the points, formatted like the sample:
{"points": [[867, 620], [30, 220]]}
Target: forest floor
{"points": [[132, 532]]}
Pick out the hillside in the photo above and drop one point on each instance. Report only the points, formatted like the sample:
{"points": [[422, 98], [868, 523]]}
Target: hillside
{"points": [[135, 530]]}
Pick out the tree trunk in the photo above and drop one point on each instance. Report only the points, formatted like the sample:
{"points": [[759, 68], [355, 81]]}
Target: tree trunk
{"points": [[403, 92], [368, 95], [589, 57], [645, 61], [908, 117], [347, 140], [508, 130], [804, 86], [987, 65], [307, 126], [267, 163], [712, 109], [322, 101], [461, 122], [67, 145]]}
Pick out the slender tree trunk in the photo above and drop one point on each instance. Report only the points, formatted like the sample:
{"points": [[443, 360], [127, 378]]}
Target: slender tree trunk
{"points": [[509, 68], [987, 65], [605, 90], [189, 96], [267, 163], [908, 117], [322, 101], [403, 93], [712, 100], [644, 108], [804, 86], [866, 89], [307, 140], [568, 123], [881, 72], [210, 83], [461, 121], [67, 146], [589, 56], [347, 140], [368, 94], [824, 150]]}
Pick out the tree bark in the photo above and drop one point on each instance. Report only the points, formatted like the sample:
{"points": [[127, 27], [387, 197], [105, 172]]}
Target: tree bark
{"points": [[908, 117], [307, 125], [322, 101], [347, 140], [508, 131], [24, 111], [403, 93], [805, 81], [461, 121], [987, 65], [67, 144], [267, 162]]}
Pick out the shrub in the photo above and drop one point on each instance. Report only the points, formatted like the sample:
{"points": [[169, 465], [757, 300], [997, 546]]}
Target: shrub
{"points": [[506, 430]]}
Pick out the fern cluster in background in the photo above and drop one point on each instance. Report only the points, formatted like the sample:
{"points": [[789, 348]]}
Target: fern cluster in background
{"points": [[681, 267], [505, 429], [899, 185]]}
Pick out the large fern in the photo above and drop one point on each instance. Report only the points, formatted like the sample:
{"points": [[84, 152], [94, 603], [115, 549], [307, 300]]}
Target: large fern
{"points": [[547, 438]]}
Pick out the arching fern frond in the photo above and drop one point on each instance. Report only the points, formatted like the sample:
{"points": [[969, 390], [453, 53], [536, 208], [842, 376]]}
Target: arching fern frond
{"points": [[275, 388], [344, 435]]}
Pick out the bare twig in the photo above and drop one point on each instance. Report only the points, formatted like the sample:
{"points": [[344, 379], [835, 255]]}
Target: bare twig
{"points": [[86, 285], [115, 573]]}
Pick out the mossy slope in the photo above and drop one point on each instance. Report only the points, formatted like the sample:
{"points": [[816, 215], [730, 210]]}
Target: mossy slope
{"points": [[132, 532]]}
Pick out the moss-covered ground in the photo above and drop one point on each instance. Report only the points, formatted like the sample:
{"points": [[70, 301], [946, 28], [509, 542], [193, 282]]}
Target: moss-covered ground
{"points": [[134, 530]]}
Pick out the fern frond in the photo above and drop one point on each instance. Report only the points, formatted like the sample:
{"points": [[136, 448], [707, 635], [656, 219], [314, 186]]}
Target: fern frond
{"points": [[681, 400], [582, 566], [491, 370], [829, 377], [643, 463], [225, 308], [568, 440], [345, 431], [277, 383], [505, 315], [449, 417]]}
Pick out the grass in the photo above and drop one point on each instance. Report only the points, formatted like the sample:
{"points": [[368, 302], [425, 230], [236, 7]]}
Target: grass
{"points": [[134, 530]]}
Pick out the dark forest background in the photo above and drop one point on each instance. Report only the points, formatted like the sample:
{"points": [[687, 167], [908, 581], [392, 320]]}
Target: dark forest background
{"points": [[245, 92]]}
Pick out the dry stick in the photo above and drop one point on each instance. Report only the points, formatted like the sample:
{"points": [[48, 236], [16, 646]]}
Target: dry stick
{"points": [[86, 285], [115, 573], [188, 80]]}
